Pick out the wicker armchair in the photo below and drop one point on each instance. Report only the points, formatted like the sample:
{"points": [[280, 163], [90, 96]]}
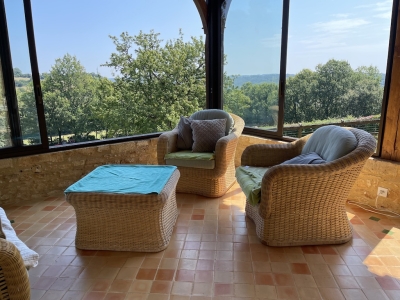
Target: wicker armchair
{"points": [[304, 204], [14, 279], [206, 182]]}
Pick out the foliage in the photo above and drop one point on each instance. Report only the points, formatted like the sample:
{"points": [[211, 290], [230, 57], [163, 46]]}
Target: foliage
{"points": [[334, 90], [156, 83]]}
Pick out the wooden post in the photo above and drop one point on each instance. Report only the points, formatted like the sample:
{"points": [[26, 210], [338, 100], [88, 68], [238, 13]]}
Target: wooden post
{"points": [[391, 136]]}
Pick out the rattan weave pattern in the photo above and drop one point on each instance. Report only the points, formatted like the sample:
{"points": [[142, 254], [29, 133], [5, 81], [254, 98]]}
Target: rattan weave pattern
{"points": [[206, 182], [305, 204], [125, 222], [14, 280]]}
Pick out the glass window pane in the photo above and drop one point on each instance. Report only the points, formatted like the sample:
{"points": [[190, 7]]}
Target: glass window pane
{"points": [[118, 68], [252, 47], [22, 72], [5, 138], [337, 56]]}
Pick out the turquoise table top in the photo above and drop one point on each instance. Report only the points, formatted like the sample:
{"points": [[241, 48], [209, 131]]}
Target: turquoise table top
{"points": [[124, 179]]}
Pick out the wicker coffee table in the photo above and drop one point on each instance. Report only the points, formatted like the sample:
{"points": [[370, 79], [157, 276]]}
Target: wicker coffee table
{"points": [[121, 221]]}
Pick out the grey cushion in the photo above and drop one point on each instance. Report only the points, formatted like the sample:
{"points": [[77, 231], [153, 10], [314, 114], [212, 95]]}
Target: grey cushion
{"points": [[209, 114], [331, 142], [304, 159], [206, 133], [185, 139]]}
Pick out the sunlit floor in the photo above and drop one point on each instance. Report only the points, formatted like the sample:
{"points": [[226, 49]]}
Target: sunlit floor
{"points": [[213, 254]]}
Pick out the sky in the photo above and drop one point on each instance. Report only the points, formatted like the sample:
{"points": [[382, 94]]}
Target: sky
{"points": [[353, 30]]}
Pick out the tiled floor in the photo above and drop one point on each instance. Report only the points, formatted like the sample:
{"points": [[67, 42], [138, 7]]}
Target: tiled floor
{"points": [[214, 254]]}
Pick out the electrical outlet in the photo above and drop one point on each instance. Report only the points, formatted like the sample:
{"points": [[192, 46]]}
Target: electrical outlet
{"points": [[383, 192]]}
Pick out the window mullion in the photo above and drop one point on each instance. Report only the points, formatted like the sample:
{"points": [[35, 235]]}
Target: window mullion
{"points": [[35, 74]]}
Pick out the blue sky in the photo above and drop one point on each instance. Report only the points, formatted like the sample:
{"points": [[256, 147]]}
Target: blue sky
{"points": [[353, 30]]}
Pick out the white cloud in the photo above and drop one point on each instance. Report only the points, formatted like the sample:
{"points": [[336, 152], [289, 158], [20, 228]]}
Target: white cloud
{"points": [[339, 26], [380, 9]]}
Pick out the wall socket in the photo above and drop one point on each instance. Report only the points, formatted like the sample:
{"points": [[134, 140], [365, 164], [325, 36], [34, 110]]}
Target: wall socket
{"points": [[382, 192]]}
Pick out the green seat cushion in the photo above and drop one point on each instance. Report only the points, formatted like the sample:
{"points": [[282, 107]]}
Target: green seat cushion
{"points": [[249, 179], [187, 158], [187, 154]]}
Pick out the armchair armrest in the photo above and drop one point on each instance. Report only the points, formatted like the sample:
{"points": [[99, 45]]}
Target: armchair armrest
{"points": [[14, 278], [166, 144], [267, 155], [225, 152], [289, 188]]}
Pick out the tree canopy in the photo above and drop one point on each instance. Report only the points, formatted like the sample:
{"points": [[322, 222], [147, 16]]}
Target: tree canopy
{"points": [[156, 82]]}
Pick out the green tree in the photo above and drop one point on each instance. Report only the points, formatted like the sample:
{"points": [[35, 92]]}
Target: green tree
{"points": [[300, 100], [235, 101], [365, 97], [156, 82], [17, 72], [333, 81], [28, 114], [264, 102], [67, 94]]}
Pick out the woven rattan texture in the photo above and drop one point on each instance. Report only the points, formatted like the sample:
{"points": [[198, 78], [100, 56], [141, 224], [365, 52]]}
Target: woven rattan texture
{"points": [[14, 280], [205, 182], [129, 222], [305, 204]]}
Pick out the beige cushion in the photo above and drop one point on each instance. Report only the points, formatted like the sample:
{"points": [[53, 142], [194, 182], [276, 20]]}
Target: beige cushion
{"points": [[206, 133]]}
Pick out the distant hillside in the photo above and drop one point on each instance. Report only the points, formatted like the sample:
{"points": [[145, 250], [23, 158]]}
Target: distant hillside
{"points": [[274, 78], [255, 79]]}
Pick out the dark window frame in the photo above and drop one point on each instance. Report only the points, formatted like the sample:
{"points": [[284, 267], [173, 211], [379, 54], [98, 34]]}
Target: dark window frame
{"points": [[214, 76]]}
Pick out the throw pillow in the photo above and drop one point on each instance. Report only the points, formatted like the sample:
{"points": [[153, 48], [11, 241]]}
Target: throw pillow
{"points": [[185, 140], [304, 159], [206, 133]]}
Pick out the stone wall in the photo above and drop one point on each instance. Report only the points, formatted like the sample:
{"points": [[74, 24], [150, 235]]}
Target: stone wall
{"points": [[378, 173], [40, 176], [37, 177]]}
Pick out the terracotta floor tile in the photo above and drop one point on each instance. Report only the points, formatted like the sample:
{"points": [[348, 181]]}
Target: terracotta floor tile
{"points": [[214, 254], [62, 284], [347, 282], [302, 280], [94, 296], [146, 274], [141, 286], [264, 279], [165, 274], [283, 279], [182, 288], [101, 285], [161, 287], [388, 283], [184, 275], [287, 292], [308, 293], [223, 289], [299, 268], [44, 283], [120, 285]]}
